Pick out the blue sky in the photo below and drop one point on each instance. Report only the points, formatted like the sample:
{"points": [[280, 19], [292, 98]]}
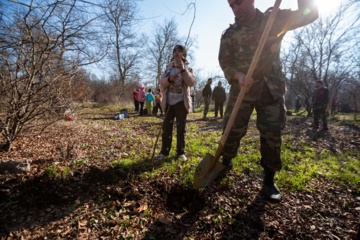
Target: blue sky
{"points": [[212, 18]]}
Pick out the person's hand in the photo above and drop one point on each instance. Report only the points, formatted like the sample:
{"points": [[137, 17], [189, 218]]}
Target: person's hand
{"points": [[180, 64], [172, 78], [246, 84]]}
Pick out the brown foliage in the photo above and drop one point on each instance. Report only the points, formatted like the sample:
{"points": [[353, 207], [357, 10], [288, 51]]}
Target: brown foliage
{"points": [[96, 201]]}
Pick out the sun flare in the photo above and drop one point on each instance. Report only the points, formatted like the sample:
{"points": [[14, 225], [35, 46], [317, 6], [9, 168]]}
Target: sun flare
{"points": [[327, 6]]}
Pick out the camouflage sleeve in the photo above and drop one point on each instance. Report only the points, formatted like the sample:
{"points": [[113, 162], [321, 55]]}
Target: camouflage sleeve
{"points": [[307, 13], [226, 57]]}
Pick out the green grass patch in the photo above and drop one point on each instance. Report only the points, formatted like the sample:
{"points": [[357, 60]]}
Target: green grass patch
{"points": [[346, 119], [55, 172], [301, 161], [300, 167]]}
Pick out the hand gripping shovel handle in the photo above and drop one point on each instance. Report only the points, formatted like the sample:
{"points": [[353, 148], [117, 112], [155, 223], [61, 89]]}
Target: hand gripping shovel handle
{"points": [[247, 78], [209, 167]]}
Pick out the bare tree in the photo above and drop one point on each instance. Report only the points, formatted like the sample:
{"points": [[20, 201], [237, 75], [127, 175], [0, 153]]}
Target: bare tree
{"points": [[121, 17], [351, 98], [42, 47], [161, 43], [321, 52], [160, 48]]}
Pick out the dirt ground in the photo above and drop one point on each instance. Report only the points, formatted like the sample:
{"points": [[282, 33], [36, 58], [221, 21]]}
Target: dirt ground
{"points": [[95, 201]]}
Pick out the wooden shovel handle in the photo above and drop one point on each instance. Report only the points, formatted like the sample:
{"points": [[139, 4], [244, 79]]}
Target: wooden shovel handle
{"points": [[247, 78]]}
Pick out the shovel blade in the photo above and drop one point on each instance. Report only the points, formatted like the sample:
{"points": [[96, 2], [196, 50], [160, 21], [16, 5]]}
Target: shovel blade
{"points": [[207, 170]]}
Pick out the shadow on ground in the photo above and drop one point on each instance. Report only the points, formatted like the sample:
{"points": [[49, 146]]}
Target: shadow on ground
{"points": [[30, 201]]}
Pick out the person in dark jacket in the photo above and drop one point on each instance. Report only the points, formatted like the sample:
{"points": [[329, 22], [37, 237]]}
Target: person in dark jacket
{"points": [[320, 100], [206, 93], [219, 97]]}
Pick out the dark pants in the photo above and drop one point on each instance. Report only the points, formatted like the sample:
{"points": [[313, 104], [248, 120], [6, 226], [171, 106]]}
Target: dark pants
{"points": [[141, 110], [219, 106], [158, 106], [136, 103], [179, 112], [320, 113], [206, 105]]}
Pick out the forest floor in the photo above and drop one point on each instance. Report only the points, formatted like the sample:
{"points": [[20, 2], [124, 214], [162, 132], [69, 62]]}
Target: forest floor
{"points": [[75, 190]]}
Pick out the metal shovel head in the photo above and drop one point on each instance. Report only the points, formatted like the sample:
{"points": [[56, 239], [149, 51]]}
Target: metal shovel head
{"points": [[207, 170]]}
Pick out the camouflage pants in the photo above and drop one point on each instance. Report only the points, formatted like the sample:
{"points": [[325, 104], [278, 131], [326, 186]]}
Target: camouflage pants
{"points": [[270, 122], [320, 113]]}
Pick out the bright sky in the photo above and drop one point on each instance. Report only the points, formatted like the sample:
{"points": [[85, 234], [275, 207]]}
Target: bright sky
{"points": [[212, 18]]}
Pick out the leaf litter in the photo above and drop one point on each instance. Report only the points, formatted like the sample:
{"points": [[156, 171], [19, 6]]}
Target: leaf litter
{"points": [[95, 201]]}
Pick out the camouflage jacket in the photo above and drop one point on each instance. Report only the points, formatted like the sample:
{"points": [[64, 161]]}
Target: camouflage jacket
{"points": [[320, 97], [239, 43]]}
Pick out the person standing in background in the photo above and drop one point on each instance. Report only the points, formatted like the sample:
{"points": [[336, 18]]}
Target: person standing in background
{"points": [[206, 93], [136, 102], [149, 102], [193, 98], [158, 101], [141, 99], [219, 97], [320, 100], [297, 104]]}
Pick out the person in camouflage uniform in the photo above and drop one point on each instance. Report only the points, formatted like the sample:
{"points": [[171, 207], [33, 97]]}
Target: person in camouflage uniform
{"points": [[206, 93], [265, 91], [219, 97], [320, 100]]}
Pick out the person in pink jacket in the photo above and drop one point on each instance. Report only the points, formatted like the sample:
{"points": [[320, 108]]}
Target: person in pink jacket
{"points": [[177, 80], [141, 99]]}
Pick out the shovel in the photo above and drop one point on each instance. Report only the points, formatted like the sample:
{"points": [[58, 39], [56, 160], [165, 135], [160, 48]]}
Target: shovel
{"points": [[210, 167]]}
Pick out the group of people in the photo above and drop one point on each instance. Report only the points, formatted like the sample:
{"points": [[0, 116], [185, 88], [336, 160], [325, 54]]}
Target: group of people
{"points": [[264, 91], [218, 96], [152, 101]]}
